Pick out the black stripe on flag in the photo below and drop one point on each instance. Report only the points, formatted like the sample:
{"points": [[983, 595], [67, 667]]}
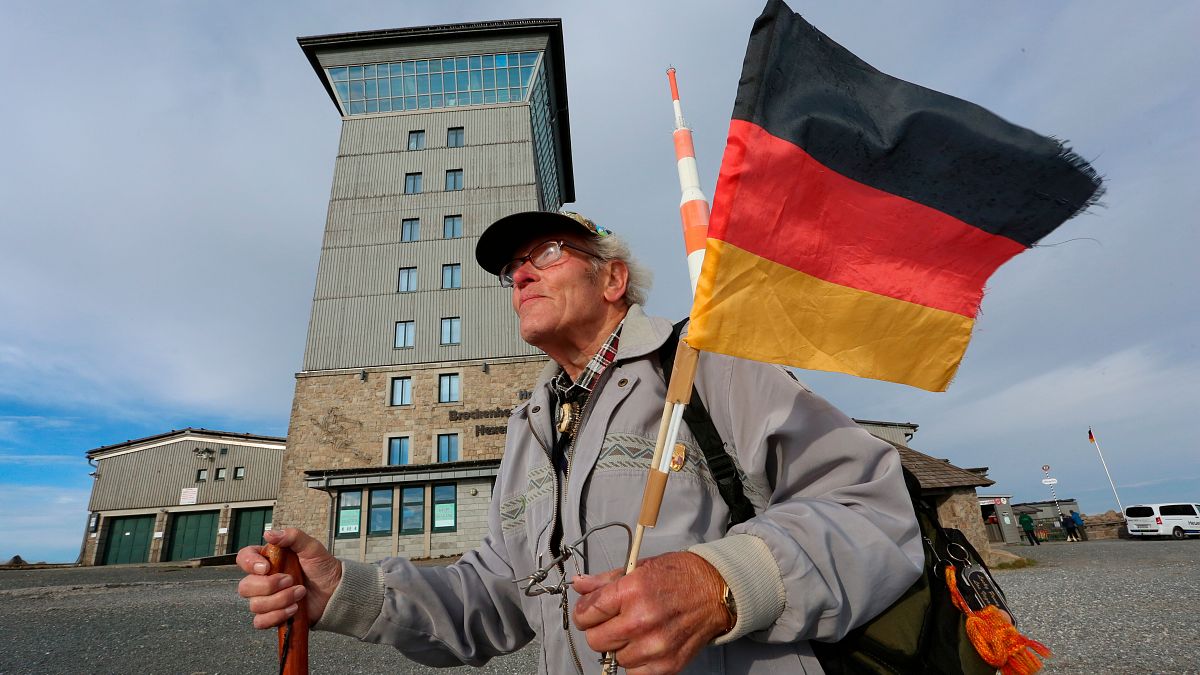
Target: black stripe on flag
{"points": [[904, 139]]}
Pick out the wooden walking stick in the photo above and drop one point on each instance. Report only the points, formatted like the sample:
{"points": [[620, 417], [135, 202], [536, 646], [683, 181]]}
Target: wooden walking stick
{"points": [[293, 635]]}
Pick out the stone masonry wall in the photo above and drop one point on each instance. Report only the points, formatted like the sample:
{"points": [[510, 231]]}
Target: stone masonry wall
{"points": [[960, 510], [340, 420]]}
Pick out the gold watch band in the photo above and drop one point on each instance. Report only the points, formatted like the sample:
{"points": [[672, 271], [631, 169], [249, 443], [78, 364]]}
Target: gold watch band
{"points": [[730, 608]]}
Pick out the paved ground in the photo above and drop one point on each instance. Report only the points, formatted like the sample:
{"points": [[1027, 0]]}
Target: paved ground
{"points": [[1103, 607]]}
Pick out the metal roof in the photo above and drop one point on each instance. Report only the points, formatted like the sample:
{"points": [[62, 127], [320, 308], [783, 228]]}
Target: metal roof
{"points": [[230, 435]]}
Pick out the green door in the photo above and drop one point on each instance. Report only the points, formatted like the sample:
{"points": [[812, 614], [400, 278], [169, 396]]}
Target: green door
{"points": [[248, 525], [193, 535], [128, 540]]}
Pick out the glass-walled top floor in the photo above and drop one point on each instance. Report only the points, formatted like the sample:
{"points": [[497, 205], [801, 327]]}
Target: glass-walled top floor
{"points": [[426, 84]]}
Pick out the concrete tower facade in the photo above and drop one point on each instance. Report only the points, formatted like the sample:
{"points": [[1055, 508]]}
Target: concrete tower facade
{"points": [[413, 357]]}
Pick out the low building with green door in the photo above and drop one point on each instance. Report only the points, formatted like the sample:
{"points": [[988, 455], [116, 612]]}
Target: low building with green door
{"points": [[184, 494]]}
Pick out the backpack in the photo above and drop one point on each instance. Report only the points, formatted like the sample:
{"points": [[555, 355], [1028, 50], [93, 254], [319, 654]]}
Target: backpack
{"points": [[922, 631]]}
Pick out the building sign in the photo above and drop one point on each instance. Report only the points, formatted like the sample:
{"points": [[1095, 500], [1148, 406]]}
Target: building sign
{"points": [[188, 496], [483, 414], [443, 515], [348, 521], [457, 415]]}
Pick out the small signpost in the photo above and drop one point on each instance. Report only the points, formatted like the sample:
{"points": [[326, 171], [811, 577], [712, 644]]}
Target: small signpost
{"points": [[1052, 482]]}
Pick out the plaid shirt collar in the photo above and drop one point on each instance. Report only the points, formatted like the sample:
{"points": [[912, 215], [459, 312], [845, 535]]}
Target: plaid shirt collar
{"points": [[566, 390]]}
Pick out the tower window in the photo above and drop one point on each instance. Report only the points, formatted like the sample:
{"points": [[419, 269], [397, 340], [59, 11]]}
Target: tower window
{"points": [[410, 228], [408, 280], [412, 183], [416, 140], [447, 447], [454, 180], [349, 514], [405, 332], [401, 391], [445, 508], [452, 227], [451, 330], [454, 137], [412, 510], [379, 512], [448, 388], [452, 275], [398, 450]]}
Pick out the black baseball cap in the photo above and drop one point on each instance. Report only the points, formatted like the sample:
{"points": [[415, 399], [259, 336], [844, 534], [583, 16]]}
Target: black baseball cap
{"points": [[499, 242]]}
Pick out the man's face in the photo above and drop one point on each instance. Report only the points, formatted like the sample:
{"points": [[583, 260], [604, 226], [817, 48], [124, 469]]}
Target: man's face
{"points": [[556, 303]]}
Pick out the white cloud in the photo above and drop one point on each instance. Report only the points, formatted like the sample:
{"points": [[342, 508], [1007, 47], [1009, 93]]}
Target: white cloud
{"points": [[41, 522], [1134, 382], [36, 460]]}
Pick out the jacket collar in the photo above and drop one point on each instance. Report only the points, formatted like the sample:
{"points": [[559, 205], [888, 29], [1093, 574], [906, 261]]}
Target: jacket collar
{"points": [[641, 335]]}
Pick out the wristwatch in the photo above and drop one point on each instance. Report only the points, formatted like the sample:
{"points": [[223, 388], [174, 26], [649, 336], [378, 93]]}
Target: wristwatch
{"points": [[730, 608]]}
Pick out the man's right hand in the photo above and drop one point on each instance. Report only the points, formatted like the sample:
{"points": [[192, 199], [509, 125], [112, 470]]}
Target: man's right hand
{"points": [[274, 597]]}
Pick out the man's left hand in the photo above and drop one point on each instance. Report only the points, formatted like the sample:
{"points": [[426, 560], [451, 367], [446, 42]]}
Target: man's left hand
{"points": [[655, 618]]}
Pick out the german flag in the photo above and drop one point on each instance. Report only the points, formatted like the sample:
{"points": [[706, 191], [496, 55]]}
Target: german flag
{"points": [[857, 216]]}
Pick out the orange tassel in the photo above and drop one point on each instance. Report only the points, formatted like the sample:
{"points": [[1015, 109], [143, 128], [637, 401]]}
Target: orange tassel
{"points": [[995, 638]]}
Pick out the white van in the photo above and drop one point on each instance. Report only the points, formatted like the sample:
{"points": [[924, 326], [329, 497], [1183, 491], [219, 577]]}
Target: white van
{"points": [[1158, 520]]}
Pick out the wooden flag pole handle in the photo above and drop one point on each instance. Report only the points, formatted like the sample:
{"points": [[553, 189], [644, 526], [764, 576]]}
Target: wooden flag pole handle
{"points": [[679, 392], [293, 635]]}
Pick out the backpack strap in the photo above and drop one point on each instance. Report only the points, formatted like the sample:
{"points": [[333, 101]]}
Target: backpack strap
{"points": [[720, 465]]}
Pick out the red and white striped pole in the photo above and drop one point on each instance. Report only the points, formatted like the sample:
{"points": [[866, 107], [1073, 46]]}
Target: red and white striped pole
{"points": [[693, 206]]}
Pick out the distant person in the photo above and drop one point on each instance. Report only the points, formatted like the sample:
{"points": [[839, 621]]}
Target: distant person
{"points": [[1080, 529], [1068, 524], [1027, 525]]}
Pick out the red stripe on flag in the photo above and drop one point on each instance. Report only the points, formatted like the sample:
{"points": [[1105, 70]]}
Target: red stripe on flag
{"points": [[776, 201]]}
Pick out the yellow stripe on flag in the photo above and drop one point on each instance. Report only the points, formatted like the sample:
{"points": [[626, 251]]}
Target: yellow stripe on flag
{"points": [[753, 308]]}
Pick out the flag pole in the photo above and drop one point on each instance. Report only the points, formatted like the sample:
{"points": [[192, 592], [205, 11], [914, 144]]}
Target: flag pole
{"points": [[693, 211], [1092, 438]]}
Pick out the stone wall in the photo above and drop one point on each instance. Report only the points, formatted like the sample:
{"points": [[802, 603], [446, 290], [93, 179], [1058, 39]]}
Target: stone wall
{"points": [[340, 420], [1109, 525], [960, 510]]}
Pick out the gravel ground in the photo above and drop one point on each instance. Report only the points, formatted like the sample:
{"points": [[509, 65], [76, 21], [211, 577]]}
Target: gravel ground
{"points": [[1102, 607], [1111, 606]]}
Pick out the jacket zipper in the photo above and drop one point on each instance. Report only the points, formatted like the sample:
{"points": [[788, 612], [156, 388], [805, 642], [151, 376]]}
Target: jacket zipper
{"points": [[559, 491], [576, 424]]}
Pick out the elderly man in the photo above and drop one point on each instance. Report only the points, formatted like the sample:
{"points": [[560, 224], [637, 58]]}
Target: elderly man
{"points": [[833, 542]]}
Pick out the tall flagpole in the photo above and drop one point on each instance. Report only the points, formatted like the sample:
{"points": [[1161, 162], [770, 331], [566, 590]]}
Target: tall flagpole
{"points": [[1092, 438]]}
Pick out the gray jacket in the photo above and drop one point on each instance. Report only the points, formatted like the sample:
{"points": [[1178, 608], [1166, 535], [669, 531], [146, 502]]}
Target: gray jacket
{"points": [[833, 543]]}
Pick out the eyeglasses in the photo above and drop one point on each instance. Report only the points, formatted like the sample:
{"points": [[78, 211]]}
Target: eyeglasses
{"points": [[541, 256]]}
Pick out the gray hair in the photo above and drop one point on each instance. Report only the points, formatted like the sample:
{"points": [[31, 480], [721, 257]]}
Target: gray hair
{"points": [[613, 247]]}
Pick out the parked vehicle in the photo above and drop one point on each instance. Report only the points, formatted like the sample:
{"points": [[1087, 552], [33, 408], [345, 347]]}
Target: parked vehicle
{"points": [[1163, 520]]}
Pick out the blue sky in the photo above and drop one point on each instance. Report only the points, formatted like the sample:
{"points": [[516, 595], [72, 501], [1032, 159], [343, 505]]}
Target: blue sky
{"points": [[165, 173]]}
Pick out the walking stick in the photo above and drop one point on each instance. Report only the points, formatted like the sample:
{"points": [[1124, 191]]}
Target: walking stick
{"points": [[293, 635]]}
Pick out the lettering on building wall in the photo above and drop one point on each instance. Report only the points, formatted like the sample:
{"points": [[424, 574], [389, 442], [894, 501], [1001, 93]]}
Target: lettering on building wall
{"points": [[487, 430], [456, 415]]}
